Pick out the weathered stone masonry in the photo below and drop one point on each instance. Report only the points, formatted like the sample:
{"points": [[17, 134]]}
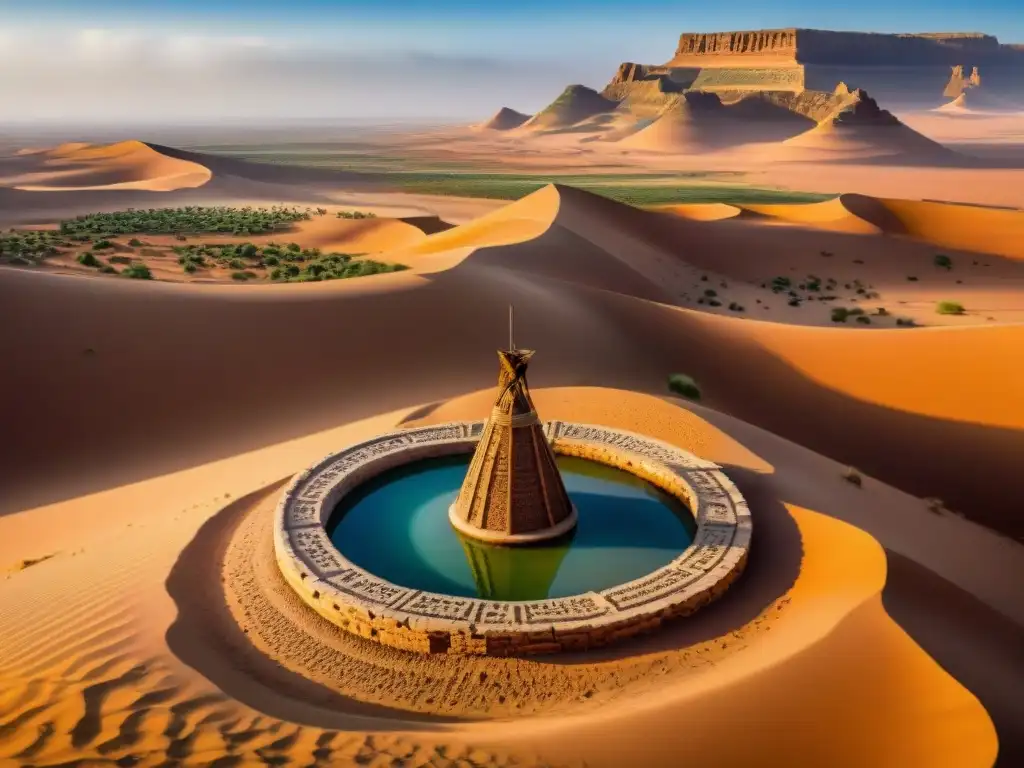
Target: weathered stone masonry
{"points": [[410, 619]]}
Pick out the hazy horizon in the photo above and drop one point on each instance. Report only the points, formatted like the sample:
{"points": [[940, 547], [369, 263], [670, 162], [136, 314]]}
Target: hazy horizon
{"points": [[150, 62]]}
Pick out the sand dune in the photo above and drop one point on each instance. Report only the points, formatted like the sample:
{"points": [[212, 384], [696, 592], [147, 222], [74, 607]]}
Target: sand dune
{"points": [[505, 119], [574, 105], [191, 403], [699, 121], [128, 165]]}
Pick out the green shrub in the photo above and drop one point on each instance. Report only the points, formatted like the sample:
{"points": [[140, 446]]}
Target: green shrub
{"points": [[135, 242], [710, 292], [249, 251], [119, 259], [237, 264], [89, 260], [794, 302], [246, 275], [684, 386], [882, 312], [839, 314], [737, 307], [855, 311], [108, 270], [943, 261], [190, 267], [714, 303], [101, 245], [137, 272], [271, 261], [905, 322], [864, 320], [949, 308]]}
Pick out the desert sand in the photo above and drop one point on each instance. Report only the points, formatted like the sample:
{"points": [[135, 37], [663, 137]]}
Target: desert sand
{"points": [[143, 619], [152, 424]]}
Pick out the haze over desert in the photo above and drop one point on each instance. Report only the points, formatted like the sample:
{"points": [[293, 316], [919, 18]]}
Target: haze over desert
{"points": [[771, 289]]}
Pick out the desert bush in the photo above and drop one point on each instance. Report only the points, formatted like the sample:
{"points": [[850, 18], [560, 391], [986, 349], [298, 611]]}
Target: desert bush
{"points": [[911, 279], [794, 302], [710, 292], [119, 259], [237, 264], [244, 275], [839, 314], [356, 215], [108, 270], [942, 261], [137, 272], [271, 261], [737, 307], [714, 303], [135, 242], [101, 245], [89, 260], [864, 320], [684, 386], [949, 308], [905, 322], [882, 312], [853, 477], [249, 251], [182, 221]]}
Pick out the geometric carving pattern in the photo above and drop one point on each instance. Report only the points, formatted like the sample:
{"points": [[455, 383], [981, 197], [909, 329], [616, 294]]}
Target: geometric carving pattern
{"points": [[717, 553]]}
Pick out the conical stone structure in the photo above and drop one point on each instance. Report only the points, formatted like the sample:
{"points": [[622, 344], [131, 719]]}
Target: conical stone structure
{"points": [[513, 493]]}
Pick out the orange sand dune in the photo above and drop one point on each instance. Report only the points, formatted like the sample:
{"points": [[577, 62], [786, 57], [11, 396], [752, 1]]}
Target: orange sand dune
{"points": [[187, 399], [835, 141], [703, 211], [973, 228], [123, 166]]}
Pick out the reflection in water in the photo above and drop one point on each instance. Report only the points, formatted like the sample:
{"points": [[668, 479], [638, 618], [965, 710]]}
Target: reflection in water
{"points": [[396, 526]]}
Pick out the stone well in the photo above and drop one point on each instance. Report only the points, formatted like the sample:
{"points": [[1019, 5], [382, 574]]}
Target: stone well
{"points": [[411, 619]]}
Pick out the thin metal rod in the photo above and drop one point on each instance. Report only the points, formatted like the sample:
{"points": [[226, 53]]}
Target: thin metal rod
{"points": [[511, 341]]}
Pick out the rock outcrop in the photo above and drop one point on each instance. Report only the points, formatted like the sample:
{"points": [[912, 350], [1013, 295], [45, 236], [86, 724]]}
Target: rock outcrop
{"points": [[575, 104], [855, 107], [958, 83], [816, 46], [505, 119]]}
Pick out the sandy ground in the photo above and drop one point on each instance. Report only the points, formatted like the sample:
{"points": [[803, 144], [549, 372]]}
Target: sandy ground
{"points": [[141, 619]]}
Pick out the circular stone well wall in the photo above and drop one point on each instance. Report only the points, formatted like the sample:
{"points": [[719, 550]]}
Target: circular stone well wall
{"points": [[411, 619]]}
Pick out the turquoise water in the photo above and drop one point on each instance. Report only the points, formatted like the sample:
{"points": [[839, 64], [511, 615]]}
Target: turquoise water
{"points": [[396, 526]]}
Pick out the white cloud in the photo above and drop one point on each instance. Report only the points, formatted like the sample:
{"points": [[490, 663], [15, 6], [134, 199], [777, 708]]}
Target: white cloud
{"points": [[126, 73]]}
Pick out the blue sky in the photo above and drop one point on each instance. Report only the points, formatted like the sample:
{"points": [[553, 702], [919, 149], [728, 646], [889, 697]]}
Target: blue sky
{"points": [[425, 58]]}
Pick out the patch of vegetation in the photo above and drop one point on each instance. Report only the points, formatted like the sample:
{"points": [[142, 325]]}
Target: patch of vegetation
{"points": [[839, 314], [853, 477], [119, 259], [88, 260], [864, 320], [737, 307], [137, 272], [684, 386], [246, 275], [355, 215], [28, 246], [942, 261], [710, 292], [102, 245], [780, 284], [714, 303], [911, 278], [949, 308], [794, 302], [882, 312], [905, 322], [108, 270], [332, 266], [190, 219], [135, 242]]}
